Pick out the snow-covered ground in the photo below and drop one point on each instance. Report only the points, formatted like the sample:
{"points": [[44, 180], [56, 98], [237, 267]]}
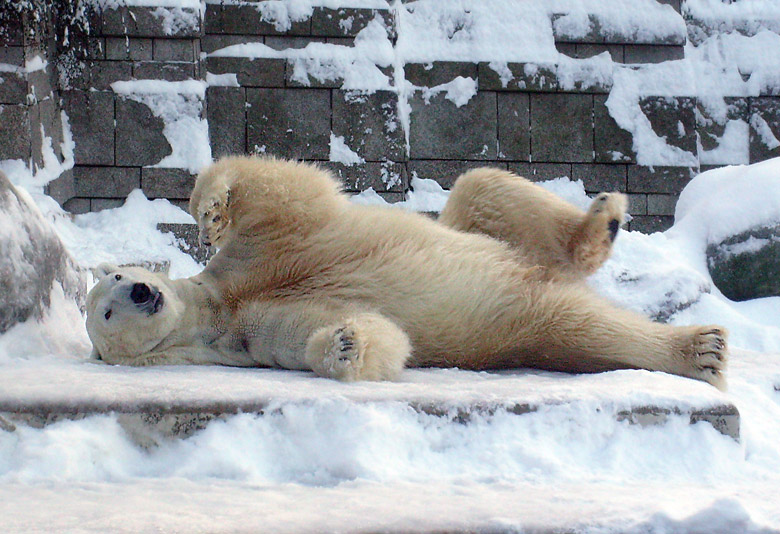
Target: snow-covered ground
{"points": [[330, 456], [336, 457]]}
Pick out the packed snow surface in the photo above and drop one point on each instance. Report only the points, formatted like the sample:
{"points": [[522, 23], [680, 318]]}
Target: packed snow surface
{"points": [[330, 456], [356, 457]]}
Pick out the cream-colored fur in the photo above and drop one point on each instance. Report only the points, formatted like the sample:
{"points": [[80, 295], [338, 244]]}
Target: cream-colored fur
{"points": [[308, 280], [544, 229]]}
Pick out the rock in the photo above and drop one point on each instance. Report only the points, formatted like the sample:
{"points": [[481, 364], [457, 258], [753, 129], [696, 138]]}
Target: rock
{"points": [[32, 261], [747, 266]]}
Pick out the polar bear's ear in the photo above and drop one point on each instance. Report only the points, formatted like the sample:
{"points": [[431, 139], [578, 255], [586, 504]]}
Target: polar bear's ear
{"points": [[105, 268]]}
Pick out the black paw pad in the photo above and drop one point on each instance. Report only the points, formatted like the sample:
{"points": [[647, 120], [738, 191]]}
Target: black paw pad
{"points": [[614, 226]]}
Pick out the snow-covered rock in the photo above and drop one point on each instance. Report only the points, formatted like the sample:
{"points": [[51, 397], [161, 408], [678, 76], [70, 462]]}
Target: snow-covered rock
{"points": [[33, 260], [747, 265]]}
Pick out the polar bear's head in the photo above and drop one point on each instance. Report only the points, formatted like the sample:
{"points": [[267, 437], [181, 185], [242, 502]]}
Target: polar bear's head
{"points": [[130, 311]]}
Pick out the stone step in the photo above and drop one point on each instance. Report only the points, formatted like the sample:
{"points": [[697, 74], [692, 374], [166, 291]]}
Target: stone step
{"points": [[151, 403]]}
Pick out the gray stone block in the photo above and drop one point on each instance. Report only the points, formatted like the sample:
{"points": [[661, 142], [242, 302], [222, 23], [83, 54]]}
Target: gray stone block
{"points": [[105, 181], [562, 127], [438, 72], [95, 48], [77, 206], [174, 50], [227, 120], [91, 116], [12, 32], [636, 54], [167, 183], [27, 278], [584, 51], [187, 239], [540, 172], [246, 19], [40, 84], [369, 124], [514, 126], [711, 129], [673, 118], [294, 78], [161, 70], [612, 143], [669, 180], [129, 49], [250, 72], [598, 177], [674, 3], [637, 204], [764, 128], [661, 204], [15, 133], [142, 21], [382, 176], [445, 172], [211, 43], [347, 22], [62, 188], [440, 130], [649, 224], [100, 204], [528, 77], [289, 123], [139, 137], [13, 55], [284, 42], [99, 75], [599, 33], [13, 88]]}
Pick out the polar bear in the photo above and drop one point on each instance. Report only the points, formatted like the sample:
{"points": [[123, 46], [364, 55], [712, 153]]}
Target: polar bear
{"points": [[304, 279]]}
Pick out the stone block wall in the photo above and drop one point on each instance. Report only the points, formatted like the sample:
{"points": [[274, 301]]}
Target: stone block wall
{"points": [[526, 118]]}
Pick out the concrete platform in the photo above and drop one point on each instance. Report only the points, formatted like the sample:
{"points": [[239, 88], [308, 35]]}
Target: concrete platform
{"points": [[160, 402]]}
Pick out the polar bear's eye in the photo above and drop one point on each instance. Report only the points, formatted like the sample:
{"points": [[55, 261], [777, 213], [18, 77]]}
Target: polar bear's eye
{"points": [[118, 277], [108, 313], [217, 218]]}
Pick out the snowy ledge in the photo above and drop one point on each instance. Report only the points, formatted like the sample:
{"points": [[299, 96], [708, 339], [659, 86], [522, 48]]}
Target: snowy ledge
{"points": [[172, 400]]}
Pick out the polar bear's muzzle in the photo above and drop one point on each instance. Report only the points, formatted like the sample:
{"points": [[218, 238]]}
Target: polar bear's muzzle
{"points": [[147, 298]]}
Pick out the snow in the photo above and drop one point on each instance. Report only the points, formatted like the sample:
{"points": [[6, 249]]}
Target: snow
{"points": [[356, 456], [341, 153], [326, 456]]}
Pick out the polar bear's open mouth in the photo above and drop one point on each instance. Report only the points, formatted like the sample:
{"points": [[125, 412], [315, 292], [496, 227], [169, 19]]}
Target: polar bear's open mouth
{"points": [[147, 298]]}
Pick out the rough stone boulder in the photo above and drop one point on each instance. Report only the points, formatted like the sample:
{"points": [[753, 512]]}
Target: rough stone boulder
{"points": [[33, 261], [747, 265]]}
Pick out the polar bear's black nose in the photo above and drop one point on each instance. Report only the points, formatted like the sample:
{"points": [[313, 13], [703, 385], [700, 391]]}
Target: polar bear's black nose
{"points": [[140, 293]]}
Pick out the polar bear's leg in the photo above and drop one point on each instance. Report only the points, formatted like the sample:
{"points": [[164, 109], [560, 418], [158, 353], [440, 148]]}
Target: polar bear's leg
{"points": [[545, 229], [576, 331], [365, 346]]}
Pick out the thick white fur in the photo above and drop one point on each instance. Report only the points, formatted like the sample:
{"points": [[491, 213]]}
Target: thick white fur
{"points": [[306, 280]]}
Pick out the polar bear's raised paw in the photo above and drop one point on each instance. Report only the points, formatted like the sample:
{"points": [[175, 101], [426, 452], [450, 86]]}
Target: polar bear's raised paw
{"points": [[591, 244], [214, 218]]}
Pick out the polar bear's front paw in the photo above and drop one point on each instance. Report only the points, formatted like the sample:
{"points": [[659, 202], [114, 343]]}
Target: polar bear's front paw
{"points": [[214, 220], [337, 353]]}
